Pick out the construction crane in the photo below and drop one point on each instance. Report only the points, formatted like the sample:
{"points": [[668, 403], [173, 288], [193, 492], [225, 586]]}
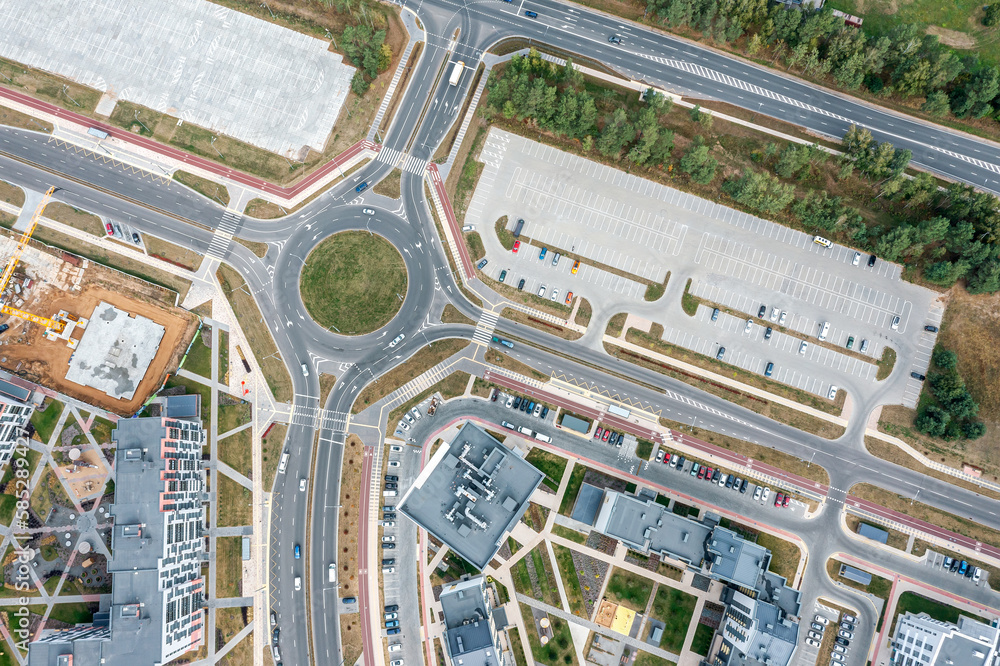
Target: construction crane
{"points": [[53, 324]]}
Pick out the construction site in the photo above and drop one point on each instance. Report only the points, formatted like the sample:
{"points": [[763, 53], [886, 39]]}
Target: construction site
{"points": [[86, 330]]}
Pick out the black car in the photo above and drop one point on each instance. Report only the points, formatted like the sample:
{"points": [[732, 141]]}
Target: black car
{"points": [[388, 546], [545, 412], [4, 327], [871, 260], [388, 562], [743, 486], [388, 516], [524, 405], [680, 464], [391, 608], [135, 238], [520, 285], [930, 329], [917, 375], [954, 565], [517, 402], [390, 477], [391, 486], [767, 333], [615, 39], [843, 641], [481, 264], [730, 480], [715, 476], [762, 311]]}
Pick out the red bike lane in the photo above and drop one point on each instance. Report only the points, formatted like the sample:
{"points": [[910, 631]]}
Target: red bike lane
{"points": [[364, 594]]}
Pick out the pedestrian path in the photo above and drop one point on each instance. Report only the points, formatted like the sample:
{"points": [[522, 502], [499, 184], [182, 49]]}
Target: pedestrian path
{"points": [[231, 221], [484, 329], [320, 418], [456, 146]]}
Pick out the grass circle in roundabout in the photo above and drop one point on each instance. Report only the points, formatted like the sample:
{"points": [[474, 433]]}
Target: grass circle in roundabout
{"points": [[350, 282]]}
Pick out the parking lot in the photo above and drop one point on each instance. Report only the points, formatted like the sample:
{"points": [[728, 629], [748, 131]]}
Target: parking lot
{"points": [[540, 272], [732, 257]]}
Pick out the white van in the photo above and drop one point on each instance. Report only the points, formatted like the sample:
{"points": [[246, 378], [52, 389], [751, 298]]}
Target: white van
{"points": [[824, 329], [284, 463], [305, 370], [819, 240], [298, 583], [542, 438], [389, 493], [333, 572]]}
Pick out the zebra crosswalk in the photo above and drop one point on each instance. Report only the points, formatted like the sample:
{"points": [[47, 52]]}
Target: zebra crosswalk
{"points": [[484, 329], [223, 237], [409, 163], [321, 418]]}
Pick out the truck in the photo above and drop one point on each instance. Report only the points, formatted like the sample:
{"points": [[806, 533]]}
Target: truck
{"points": [[456, 73]]}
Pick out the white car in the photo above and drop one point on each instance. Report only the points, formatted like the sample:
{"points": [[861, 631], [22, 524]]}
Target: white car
{"points": [[833, 393], [763, 496], [302, 484], [977, 576], [510, 402], [541, 290], [774, 314], [388, 570], [844, 633], [368, 211], [815, 635], [395, 647], [840, 648], [390, 616], [838, 657], [388, 523], [746, 329], [298, 583], [409, 418], [850, 618], [811, 642], [756, 493], [803, 347], [404, 425], [415, 412], [388, 539], [857, 259], [396, 448], [396, 340], [822, 620], [393, 463], [781, 319], [555, 295], [659, 456]]}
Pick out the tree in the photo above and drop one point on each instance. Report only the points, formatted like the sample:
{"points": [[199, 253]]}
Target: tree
{"points": [[795, 159], [945, 359], [973, 429], [895, 244], [932, 421], [588, 116], [991, 16], [697, 163], [973, 96], [760, 191], [617, 132], [946, 273], [986, 278], [695, 113], [818, 210]]}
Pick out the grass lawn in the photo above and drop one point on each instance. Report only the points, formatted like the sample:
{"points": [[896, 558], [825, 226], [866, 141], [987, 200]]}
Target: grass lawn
{"points": [[915, 603], [236, 451], [229, 565], [647, 659], [572, 489], [76, 218], [567, 533], [574, 594], [515, 646], [223, 356], [199, 359], [271, 452], [234, 503], [880, 587], [546, 576], [204, 186], [549, 464], [350, 268], [702, 640], [228, 623], [785, 555], [558, 651], [390, 185], [45, 421], [629, 589], [233, 416], [644, 449], [674, 608], [157, 247], [74, 613], [522, 580]]}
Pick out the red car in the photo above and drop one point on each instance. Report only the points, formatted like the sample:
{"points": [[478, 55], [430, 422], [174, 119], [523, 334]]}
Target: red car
{"points": [[778, 500], [701, 472], [785, 503], [598, 433], [708, 472], [110, 228], [517, 245], [607, 434]]}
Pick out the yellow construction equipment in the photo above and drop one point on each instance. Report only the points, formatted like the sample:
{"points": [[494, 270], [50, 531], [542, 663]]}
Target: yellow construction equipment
{"points": [[53, 324]]}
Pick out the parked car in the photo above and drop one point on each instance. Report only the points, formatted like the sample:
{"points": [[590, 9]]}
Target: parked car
{"points": [[871, 260], [598, 432], [659, 456], [864, 346], [715, 314], [503, 275], [762, 311], [576, 266], [541, 253], [918, 376], [931, 329], [719, 354], [812, 643], [110, 228], [757, 492], [778, 499], [767, 333], [850, 342], [803, 347], [769, 370], [517, 246], [541, 291], [843, 633], [520, 285], [607, 435], [482, 263], [857, 259]]}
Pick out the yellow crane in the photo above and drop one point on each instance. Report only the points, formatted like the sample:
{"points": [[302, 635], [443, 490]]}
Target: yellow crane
{"points": [[54, 324]]}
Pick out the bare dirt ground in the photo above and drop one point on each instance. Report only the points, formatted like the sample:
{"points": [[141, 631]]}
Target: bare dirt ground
{"points": [[28, 354]]}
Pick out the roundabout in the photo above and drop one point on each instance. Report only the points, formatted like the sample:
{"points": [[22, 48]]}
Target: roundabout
{"points": [[353, 282]]}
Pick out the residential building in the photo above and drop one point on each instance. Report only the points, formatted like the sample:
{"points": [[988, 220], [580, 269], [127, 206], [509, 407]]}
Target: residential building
{"points": [[14, 418], [920, 640], [472, 625], [157, 551], [754, 632]]}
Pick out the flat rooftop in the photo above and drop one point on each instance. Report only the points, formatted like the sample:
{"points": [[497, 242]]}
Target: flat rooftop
{"points": [[115, 351], [197, 61], [471, 494], [650, 527]]}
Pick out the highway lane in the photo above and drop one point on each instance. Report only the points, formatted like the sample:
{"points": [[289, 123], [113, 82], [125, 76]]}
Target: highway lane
{"points": [[688, 68]]}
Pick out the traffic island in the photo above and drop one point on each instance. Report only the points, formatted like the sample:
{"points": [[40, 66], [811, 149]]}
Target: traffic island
{"points": [[350, 269]]}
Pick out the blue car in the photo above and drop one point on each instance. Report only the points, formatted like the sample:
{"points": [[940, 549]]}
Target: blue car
{"points": [[362, 187], [530, 14], [541, 255], [392, 624], [298, 551], [393, 632]]}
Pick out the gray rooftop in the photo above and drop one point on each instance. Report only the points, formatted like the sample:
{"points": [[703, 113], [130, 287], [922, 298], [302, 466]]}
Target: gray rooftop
{"points": [[115, 351], [873, 533], [758, 632], [197, 61], [733, 559], [588, 503], [855, 574], [469, 632], [471, 494], [650, 527]]}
